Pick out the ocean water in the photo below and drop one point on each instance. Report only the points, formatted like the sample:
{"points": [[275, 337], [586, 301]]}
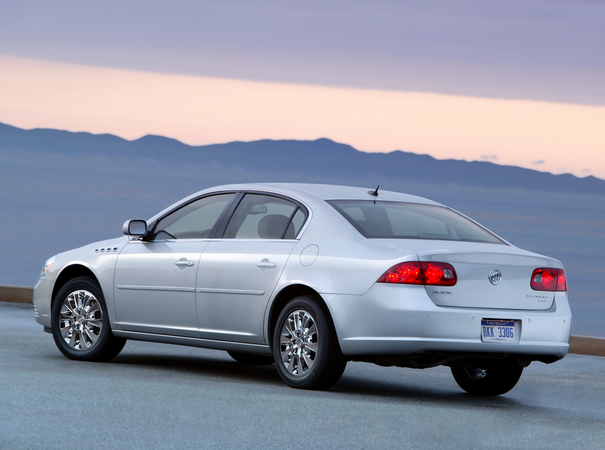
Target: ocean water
{"points": [[50, 203]]}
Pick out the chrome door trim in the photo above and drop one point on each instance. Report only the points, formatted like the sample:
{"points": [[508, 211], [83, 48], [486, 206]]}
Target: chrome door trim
{"points": [[155, 288], [232, 333], [228, 291]]}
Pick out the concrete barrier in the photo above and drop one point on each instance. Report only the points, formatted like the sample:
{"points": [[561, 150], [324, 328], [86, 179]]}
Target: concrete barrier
{"points": [[580, 345], [16, 294]]}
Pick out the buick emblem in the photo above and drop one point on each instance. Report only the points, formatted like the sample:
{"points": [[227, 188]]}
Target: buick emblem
{"points": [[495, 277]]}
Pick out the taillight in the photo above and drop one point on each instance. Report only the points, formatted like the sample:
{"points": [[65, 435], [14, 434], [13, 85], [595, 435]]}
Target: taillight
{"points": [[404, 273], [420, 272], [561, 281], [547, 279], [439, 274]]}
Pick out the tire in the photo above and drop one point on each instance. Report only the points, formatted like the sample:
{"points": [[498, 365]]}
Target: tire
{"points": [[80, 324], [305, 346], [252, 360], [494, 381]]}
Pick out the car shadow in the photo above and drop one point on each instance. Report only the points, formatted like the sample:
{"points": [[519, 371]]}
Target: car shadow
{"points": [[223, 368], [203, 366], [427, 393]]}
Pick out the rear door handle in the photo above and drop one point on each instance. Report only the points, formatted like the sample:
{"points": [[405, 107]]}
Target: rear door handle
{"points": [[266, 264], [184, 263]]}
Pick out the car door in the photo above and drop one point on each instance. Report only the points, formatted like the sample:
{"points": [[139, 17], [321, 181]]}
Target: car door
{"points": [[238, 272], [155, 279]]}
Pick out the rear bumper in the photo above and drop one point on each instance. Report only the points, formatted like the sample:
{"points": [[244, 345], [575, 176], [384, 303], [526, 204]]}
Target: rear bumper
{"points": [[402, 320]]}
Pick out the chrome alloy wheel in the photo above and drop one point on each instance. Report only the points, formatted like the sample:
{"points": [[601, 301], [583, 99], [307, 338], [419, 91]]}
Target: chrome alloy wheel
{"points": [[299, 343], [81, 320]]}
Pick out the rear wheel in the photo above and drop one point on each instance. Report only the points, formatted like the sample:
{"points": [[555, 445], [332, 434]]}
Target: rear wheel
{"points": [[247, 358], [493, 381], [80, 325], [305, 346]]}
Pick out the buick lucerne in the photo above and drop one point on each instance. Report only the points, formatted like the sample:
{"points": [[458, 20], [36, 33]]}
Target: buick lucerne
{"points": [[310, 277]]}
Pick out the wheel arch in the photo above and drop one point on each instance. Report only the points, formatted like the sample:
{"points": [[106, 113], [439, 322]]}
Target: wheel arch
{"points": [[69, 273], [284, 296]]}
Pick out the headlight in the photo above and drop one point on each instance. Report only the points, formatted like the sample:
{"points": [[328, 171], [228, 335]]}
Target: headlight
{"points": [[47, 265]]}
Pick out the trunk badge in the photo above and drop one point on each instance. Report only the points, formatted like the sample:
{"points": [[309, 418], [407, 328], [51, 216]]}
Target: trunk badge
{"points": [[495, 277]]}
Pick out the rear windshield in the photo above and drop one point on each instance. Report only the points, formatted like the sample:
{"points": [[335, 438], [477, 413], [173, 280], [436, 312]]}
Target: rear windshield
{"points": [[391, 220]]}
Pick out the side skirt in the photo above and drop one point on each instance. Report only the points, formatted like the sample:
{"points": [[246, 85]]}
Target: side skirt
{"points": [[195, 342]]}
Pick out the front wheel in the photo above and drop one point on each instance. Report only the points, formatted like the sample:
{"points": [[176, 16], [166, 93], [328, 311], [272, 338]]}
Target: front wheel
{"points": [[80, 325], [305, 346], [493, 381]]}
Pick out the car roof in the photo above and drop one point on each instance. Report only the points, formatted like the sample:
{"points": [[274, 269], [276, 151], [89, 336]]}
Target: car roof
{"points": [[309, 194], [305, 191]]}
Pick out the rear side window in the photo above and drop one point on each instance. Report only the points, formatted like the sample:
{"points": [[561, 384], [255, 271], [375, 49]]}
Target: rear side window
{"points": [[392, 220], [265, 217]]}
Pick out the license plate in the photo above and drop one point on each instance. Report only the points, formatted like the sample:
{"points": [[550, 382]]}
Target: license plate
{"points": [[500, 331]]}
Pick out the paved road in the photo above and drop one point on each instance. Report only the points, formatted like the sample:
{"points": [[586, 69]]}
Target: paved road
{"points": [[155, 396]]}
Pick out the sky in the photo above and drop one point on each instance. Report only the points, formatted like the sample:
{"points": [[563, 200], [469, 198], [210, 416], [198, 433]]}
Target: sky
{"points": [[511, 82]]}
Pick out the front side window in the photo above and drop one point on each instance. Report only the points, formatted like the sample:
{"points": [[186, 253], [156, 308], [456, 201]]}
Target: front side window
{"points": [[195, 220], [392, 220], [265, 217]]}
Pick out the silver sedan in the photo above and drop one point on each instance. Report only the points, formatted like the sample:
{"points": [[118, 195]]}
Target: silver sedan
{"points": [[309, 277]]}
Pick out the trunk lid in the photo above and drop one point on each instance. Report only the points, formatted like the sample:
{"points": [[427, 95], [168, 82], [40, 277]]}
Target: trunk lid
{"points": [[509, 268]]}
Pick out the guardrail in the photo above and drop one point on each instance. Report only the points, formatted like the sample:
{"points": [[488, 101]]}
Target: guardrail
{"points": [[581, 345], [586, 345]]}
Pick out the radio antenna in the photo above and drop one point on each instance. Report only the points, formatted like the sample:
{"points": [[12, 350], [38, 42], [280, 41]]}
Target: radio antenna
{"points": [[375, 192]]}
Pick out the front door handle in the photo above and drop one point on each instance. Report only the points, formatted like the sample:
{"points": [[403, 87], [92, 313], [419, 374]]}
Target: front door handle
{"points": [[266, 264]]}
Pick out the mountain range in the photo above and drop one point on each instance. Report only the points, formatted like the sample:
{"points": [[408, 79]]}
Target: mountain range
{"points": [[318, 159]]}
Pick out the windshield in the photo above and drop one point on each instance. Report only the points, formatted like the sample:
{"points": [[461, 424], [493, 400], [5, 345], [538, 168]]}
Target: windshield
{"points": [[391, 220]]}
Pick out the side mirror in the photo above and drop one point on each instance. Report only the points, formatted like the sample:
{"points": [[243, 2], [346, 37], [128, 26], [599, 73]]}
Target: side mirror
{"points": [[135, 227]]}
